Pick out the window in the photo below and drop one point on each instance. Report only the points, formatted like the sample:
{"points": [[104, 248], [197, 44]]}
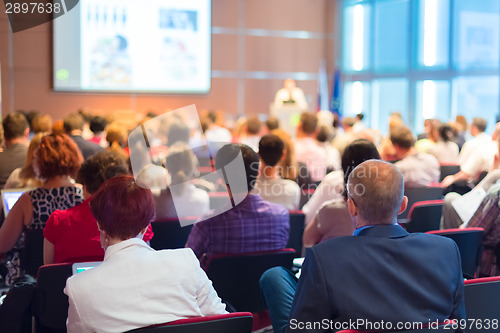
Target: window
{"points": [[423, 58]]}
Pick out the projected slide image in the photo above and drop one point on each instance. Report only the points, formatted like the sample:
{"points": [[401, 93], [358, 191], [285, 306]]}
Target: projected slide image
{"points": [[110, 62], [178, 19], [130, 45]]}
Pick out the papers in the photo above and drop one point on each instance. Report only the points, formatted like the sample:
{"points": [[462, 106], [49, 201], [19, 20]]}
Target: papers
{"points": [[467, 205]]}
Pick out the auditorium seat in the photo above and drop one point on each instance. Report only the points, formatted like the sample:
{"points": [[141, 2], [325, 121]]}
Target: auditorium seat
{"points": [[297, 225], [236, 322], [469, 242], [482, 304], [421, 194], [236, 277], [169, 234], [424, 216], [51, 304], [448, 170]]}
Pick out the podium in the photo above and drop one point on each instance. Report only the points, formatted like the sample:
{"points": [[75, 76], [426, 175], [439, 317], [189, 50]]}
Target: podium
{"points": [[288, 116]]}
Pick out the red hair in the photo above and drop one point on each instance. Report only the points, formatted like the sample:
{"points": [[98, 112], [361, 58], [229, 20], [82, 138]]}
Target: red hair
{"points": [[57, 155], [122, 208]]}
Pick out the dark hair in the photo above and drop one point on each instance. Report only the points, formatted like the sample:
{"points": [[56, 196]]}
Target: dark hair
{"points": [[271, 149], [253, 125], [229, 152], [272, 123], [402, 137], [360, 116], [177, 132], [445, 132], [324, 134], [308, 122], [181, 163], [100, 167], [73, 122], [357, 152], [14, 125], [122, 208], [57, 155], [98, 124]]}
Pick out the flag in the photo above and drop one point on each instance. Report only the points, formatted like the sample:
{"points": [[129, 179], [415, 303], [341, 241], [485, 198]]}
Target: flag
{"points": [[335, 101], [322, 87]]}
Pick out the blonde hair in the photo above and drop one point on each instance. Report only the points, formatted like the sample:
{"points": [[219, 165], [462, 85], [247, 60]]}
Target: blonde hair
{"points": [[27, 173], [289, 167]]}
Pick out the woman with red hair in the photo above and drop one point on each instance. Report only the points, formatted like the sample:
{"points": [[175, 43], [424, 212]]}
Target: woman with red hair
{"points": [[135, 286], [56, 162]]}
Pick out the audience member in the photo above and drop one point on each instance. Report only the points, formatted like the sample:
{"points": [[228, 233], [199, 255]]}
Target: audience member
{"points": [[16, 132], [461, 127], [450, 218], [445, 150], [307, 149], [326, 212], [289, 168], [71, 235], [97, 126], [381, 260], [56, 161], [269, 184], [252, 225], [487, 216], [344, 139], [426, 143], [42, 124], [26, 176], [142, 287], [251, 136], [182, 198], [358, 124], [386, 148], [419, 169], [324, 137], [116, 137], [73, 125], [476, 156], [215, 132], [272, 123]]}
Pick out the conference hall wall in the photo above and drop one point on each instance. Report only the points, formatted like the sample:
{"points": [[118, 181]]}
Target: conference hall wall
{"points": [[255, 45]]}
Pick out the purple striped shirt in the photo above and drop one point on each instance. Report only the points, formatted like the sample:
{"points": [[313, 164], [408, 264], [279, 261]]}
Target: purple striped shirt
{"points": [[253, 225]]}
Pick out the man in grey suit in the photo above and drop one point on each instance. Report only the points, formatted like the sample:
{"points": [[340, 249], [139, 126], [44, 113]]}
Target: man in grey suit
{"points": [[382, 277]]}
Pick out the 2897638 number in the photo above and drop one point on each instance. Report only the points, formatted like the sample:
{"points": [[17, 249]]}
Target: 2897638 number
{"points": [[479, 324], [32, 8]]}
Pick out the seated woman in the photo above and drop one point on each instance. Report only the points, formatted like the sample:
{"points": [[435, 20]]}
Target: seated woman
{"points": [[182, 198], [26, 176], [71, 235], [135, 286], [56, 161], [332, 219]]}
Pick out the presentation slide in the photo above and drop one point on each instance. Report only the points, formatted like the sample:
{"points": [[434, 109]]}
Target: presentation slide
{"points": [[157, 46]]}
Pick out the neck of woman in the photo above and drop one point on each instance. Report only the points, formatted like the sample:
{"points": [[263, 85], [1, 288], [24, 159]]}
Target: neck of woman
{"points": [[58, 181]]}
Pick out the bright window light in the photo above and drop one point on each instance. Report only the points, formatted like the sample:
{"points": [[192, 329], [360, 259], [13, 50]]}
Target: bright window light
{"points": [[357, 38], [429, 99], [430, 32], [357, 97]]}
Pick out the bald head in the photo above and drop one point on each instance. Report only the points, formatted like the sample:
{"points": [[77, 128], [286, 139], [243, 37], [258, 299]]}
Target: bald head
{"points": [[376, 189]]}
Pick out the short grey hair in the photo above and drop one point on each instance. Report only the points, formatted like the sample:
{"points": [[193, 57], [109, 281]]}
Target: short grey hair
{"points": [[377, 189]]}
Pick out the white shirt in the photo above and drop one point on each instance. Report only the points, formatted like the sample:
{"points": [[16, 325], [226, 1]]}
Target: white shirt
{"points": [[419, 170], [297, 95], [281, 191], [192, 202], [218, 134], [477, 155], [330, 188], [445, 152], [308, 151], [136, 286]]}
